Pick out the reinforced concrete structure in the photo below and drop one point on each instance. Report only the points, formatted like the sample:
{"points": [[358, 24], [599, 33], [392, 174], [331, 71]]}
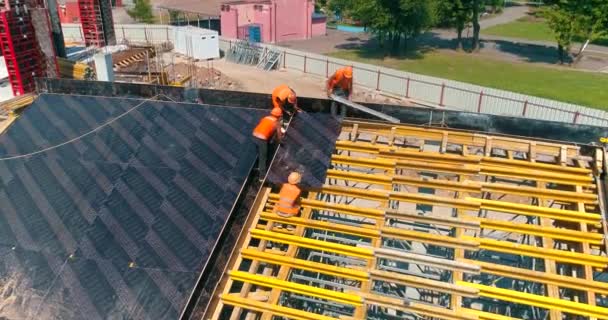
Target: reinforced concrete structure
{"points": [[423, 220]]}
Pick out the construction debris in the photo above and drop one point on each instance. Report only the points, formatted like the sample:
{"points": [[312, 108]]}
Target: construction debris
{"points": [[269, 59], [243, 52], [75, 70], [201, 77], [15, 104]]}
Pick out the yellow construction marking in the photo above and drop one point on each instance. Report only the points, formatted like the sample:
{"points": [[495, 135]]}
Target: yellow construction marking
{"points": [[529, 210], [536, 230], [470, 243], [305, 265], [539, 301], [263, 281], [418, 282], [235, 300], [543, 253], [363, 253], [541, 277], [366, 231]]}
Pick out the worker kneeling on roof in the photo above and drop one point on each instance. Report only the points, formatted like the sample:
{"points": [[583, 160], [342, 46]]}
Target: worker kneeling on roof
{"points": [[284, 98], [289, 197], [268, 128], [340, 84]]}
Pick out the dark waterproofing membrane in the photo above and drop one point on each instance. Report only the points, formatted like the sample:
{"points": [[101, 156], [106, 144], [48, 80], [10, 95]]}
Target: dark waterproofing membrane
{"points": [[118, 205], [307, 148]]}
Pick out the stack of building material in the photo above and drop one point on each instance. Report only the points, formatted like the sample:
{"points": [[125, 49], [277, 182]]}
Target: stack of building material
{"points": [[75, 70], [96, 20], [15, 104]]}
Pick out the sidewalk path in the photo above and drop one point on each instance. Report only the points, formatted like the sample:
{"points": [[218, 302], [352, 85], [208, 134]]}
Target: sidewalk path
{"points": [[509, 14]]}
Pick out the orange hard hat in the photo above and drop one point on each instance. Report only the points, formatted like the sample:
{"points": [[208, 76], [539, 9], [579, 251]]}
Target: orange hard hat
{"points": [[348, 72], [292, 97], [294, 178], [277, 112]]}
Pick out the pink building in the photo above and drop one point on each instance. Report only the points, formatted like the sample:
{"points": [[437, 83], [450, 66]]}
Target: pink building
{"points": [[271, 21]]}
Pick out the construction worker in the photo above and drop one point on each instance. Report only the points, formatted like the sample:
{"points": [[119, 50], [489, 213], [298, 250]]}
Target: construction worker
{"points": [[268, 128], [283, 96], [289, 197], [340, 84]]}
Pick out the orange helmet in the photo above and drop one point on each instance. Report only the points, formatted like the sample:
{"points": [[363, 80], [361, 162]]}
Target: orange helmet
{"points": [[292, 97], [348, 72], [277, 112]]}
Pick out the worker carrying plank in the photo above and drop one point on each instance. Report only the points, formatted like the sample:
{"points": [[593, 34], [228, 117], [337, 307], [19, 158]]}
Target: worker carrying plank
{"points": [[283, 96], [269, 128], [340, 84], [289, 197]]}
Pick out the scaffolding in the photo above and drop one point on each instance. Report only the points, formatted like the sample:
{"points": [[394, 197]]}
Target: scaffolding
{"points": [[97, 23], [427, 223], [22, 53]]}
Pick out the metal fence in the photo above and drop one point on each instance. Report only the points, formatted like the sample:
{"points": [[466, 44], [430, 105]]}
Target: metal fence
{"points": [[424, 89]]}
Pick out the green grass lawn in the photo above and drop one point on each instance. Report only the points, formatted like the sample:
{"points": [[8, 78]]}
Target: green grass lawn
{"points": [[531, 29], [584, 88]]}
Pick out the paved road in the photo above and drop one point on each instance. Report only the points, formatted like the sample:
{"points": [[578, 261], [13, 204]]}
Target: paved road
{"points": [[508, 15]]}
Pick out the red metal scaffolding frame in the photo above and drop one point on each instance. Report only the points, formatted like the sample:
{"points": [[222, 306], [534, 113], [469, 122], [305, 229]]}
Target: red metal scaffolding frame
{"points": [[92, 23], [22, 54]]}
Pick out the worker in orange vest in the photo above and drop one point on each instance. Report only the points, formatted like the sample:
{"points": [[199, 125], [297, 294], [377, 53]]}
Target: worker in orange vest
{"points": [[289, 197], [269, 127], [340, 84], [283, 96]]}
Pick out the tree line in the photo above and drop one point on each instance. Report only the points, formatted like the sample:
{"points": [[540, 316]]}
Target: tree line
{"points": [[395, 23]]}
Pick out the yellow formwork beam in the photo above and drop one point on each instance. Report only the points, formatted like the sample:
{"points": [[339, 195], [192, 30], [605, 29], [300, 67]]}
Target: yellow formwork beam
{"points": [[374, 179], [431, 261], [433, 157], [539, 301], [339, 208], [468, 186], [540, 231], [434, 200], [552, 176], [482, 315], [470, 243], [332, 270], [414, 307], [559, 195], [357, 252], [365, 231], [421, 283], [461, 222], [372, 163], [374, 195], [358, 146], [543, 253], [340, 297], [258, 306], [541, 277], [534, 166], [426, 166], [529, 210]]}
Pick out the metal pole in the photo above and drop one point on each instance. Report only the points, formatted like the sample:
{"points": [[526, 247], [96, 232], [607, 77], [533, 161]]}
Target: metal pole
{"points": [[442, 93], [480, 101], [407, 88], [525, 108]]}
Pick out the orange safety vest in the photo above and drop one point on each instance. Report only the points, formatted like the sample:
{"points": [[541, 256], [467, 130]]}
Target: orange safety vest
{"points": [[339, 80], [266, 128], [288, 198], [280, 95]]}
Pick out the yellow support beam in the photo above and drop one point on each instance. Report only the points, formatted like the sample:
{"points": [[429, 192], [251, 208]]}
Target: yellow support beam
{"points": [[434, 200], [543, 253], [534, 166], [469, 186], [448, 168], [362, 147], [463, 222], [488, 315], [421, 283], [533, 192], [432, 157], [340, 297], [540, 231], [338, 208], [470, 243], [258, 306], [541, 277], [545, 176], [414, 307], [373, 179], [425, 260], [582, 309], [374, 195], [529, 210], [357, 252], [305, 265], [363, 231], [383, 164]]}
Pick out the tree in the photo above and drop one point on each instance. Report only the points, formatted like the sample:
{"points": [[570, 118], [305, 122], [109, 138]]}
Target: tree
{"points": [[453, 14], [561, 22], [476, 6], [496, 5], [142, 11]]}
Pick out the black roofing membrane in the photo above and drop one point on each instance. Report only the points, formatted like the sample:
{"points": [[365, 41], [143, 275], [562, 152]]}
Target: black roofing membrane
{"points": [[118, 222]]}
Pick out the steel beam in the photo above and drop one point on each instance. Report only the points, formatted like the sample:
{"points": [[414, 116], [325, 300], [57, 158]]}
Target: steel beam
{"points": [[576, 308], [435, 239], [358, 252], [463, 222], [421, 283], [435, 262]]}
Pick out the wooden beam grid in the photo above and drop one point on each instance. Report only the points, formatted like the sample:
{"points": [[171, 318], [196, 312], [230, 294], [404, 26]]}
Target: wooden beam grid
{"points": [[366, 194]]}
